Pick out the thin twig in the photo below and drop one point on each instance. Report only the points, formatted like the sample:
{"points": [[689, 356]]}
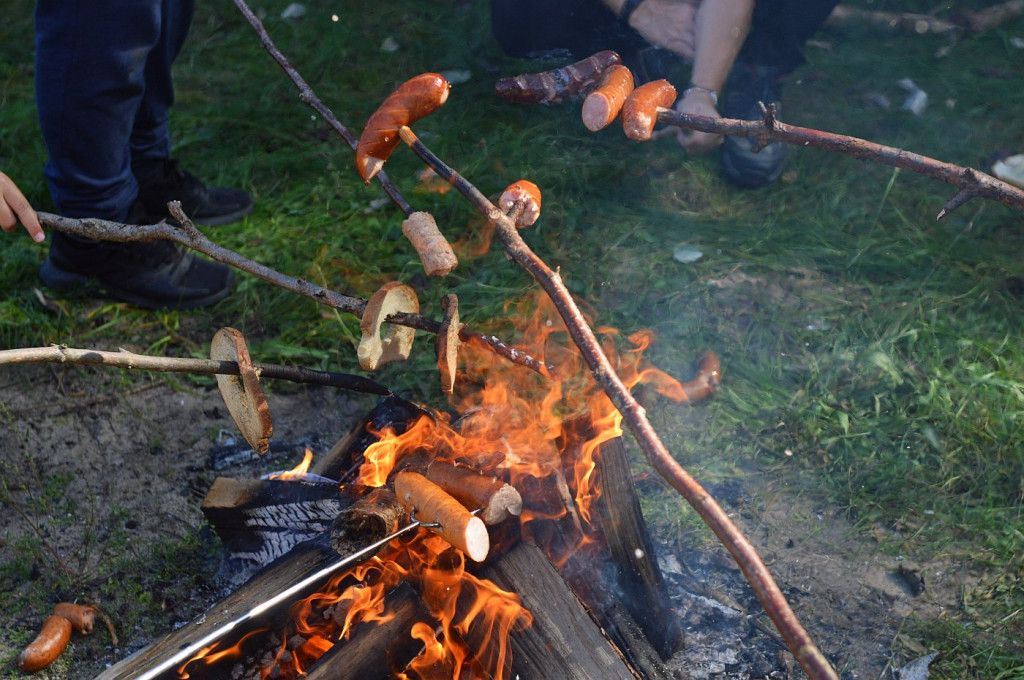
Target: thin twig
{"points": [[767, 591], [62, 354], [190, 237], [308, 97], [968, 181]]}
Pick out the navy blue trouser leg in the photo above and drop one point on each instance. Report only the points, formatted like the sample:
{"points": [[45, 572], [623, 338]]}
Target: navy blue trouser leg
{"points": [[103, 93], [524, 28]]}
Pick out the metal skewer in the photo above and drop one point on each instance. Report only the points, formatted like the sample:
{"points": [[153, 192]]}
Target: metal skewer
{"points": [[187, 653]]}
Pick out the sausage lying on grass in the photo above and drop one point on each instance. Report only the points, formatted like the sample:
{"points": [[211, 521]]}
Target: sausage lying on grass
{"points": [[81, 616], [54, 635]]}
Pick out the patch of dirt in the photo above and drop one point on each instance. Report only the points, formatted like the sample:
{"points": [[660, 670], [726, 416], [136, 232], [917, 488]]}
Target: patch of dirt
{"points": [[99, 470], [851, 596]]}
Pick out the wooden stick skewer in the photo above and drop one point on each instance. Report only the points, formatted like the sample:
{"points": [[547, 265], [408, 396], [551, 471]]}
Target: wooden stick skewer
{"points": [[753, 567]]}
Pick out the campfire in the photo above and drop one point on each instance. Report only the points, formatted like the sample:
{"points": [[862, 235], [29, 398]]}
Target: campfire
{"points": [[536, 458], [503, 539]]}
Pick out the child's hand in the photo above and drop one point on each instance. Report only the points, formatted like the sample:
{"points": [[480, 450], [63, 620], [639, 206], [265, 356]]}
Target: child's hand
{"points": [[14, 208]]}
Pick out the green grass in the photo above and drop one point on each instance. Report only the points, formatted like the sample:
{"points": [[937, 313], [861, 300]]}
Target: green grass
{"points": [[870, 352]]}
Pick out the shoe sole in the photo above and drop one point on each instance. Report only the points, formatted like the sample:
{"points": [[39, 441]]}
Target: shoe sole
{"points": [[56, 278]]}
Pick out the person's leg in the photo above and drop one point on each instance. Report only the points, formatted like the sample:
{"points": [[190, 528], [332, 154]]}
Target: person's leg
{"points": [[774, 48], [150, 135], [160, 178], [780, 29], [91, 59], [90, 63], [533, 29], [574, 29]]}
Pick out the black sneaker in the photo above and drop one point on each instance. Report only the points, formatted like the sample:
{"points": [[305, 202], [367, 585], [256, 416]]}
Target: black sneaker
{"points": [[156, 275], [163, 181], [748, 86]]}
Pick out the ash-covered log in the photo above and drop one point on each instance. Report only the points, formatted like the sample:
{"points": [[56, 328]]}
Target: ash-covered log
{"points": [[258, 520]]}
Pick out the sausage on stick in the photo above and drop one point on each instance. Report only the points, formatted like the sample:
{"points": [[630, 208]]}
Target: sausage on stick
{"points": [[497, 500], [414, 99], [526, 192], [430, 503], [640, 112], [551, 87], [602, 105]]}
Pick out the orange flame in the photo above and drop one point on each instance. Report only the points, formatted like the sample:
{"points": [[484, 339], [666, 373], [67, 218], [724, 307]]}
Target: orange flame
{"points": [[298, 471]]}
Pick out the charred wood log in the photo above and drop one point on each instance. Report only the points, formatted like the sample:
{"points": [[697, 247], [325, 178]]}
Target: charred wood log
{"points": [[260, 520], [343, 460], [638, 575], [366, 521], [563, 643], [374, 651]]}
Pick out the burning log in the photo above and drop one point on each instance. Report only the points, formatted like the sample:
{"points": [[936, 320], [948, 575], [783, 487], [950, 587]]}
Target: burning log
{"points": [[563, 643], [345, 457], [496, 500], [302, 561], [638, 575], [369, 519], [373, 651]]}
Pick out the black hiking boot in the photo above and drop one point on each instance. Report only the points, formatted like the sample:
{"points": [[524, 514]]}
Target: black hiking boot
{"points": [[748, 86], [155, 275], [163, 181]]}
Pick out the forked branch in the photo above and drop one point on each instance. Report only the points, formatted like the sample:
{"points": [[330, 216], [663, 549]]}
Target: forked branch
{"points": [[767, 591]]}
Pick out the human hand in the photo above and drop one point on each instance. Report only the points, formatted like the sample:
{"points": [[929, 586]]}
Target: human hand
{"points": [[14, 208], [667, 23], [697, 103]]}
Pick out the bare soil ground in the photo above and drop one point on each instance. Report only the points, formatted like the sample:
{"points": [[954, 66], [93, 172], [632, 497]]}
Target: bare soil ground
{"points": [[104, 478]]}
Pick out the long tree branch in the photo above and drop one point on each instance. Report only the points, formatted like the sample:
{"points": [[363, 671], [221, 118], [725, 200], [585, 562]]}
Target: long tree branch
{"points": [[767, 591], [62, 354], [968, 181], [307, 96], [190, 237]]}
